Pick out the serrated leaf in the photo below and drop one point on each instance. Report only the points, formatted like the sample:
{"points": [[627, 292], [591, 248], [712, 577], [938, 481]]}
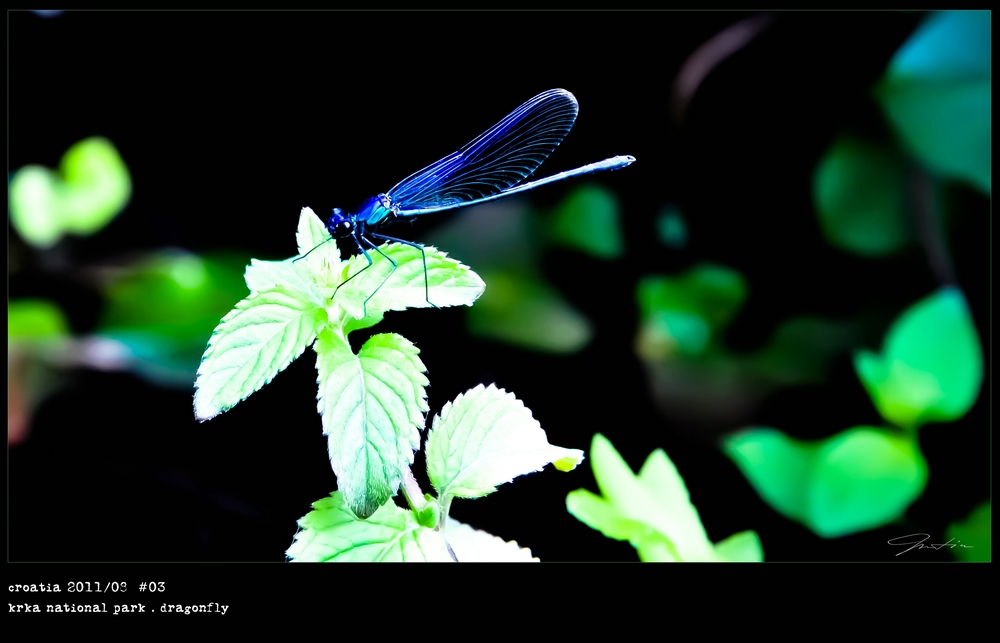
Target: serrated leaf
{"points": [[931, 366], [251, 345], [476, 546], [372, 405], [448, 283], [652, 510], [486, 437], [318, 251], [331, 532], [287, 275], [859, 479]]}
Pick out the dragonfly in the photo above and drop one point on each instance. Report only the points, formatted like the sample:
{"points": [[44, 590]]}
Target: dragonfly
{"points": [[492, 166]]}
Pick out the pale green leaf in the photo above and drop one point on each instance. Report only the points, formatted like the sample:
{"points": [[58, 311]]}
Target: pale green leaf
{"points": [[652, 510], [743, 547], [332, 533], [318, 251], [36, 205], [931, 367], [251, 345], [601, 514], [372, 405], [288, 275], [97, 185], [448, 282], [92, 187], [485, 438], [476, 546]]}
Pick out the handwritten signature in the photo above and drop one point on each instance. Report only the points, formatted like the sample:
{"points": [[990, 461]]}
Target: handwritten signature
{"points": [[916, 541]]}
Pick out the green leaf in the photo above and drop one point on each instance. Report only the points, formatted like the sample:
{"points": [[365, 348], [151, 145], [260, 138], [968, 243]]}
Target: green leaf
{"points": [[859, 189], [931, 366], [475, 546], [372, 405], [448, 283], [485, 438], [318, 252], [251, 345], [35, 319], [682, 314], [859, 479], [283, 275], [521, 309], [778, 467], [587, 220], [975, 533], [937, 94], [652, 510], [93, 188], [332, 533]]}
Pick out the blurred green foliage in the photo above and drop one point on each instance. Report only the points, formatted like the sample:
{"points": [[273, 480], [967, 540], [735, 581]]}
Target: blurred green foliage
{"points": [[34, 319], [506, 243], [694, 376], [587, 220], [91, 188], [683, 314], [860, 194], [931, 366], [524, 310], [163, 307], [976, 531], [653, 511], [937, 93], [859, 479]]}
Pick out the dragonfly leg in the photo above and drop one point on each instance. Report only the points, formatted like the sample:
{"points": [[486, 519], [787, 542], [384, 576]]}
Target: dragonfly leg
{"points": [[427, 293], [310, 251], [394, 266], [368, 257]]}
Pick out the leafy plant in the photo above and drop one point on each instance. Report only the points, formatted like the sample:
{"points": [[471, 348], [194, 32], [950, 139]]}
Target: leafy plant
{"points": [[930, 370], [373, 402], [652, 511]]}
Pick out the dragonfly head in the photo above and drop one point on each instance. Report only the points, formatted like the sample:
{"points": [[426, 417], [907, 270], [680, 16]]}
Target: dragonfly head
{"points": [[340, 225]]}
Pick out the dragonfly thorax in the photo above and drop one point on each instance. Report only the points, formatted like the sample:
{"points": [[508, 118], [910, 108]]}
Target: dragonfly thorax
{"points": [[375, 210]]}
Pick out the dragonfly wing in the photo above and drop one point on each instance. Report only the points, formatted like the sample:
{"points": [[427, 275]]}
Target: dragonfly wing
{"points": [[496, 160]]}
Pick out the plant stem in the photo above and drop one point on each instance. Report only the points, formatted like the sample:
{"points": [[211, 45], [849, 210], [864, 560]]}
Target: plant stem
{"points": [[411, 490]]}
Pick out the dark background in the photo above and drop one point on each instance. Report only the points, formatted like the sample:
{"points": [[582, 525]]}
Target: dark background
{"points": [[230, 122]]}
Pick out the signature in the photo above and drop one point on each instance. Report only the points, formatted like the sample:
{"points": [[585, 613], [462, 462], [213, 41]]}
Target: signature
{"points": [[916, 541]]}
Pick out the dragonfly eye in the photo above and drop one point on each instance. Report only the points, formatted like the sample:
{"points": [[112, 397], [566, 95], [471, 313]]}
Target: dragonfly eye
{"points": [[343, 228]]}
